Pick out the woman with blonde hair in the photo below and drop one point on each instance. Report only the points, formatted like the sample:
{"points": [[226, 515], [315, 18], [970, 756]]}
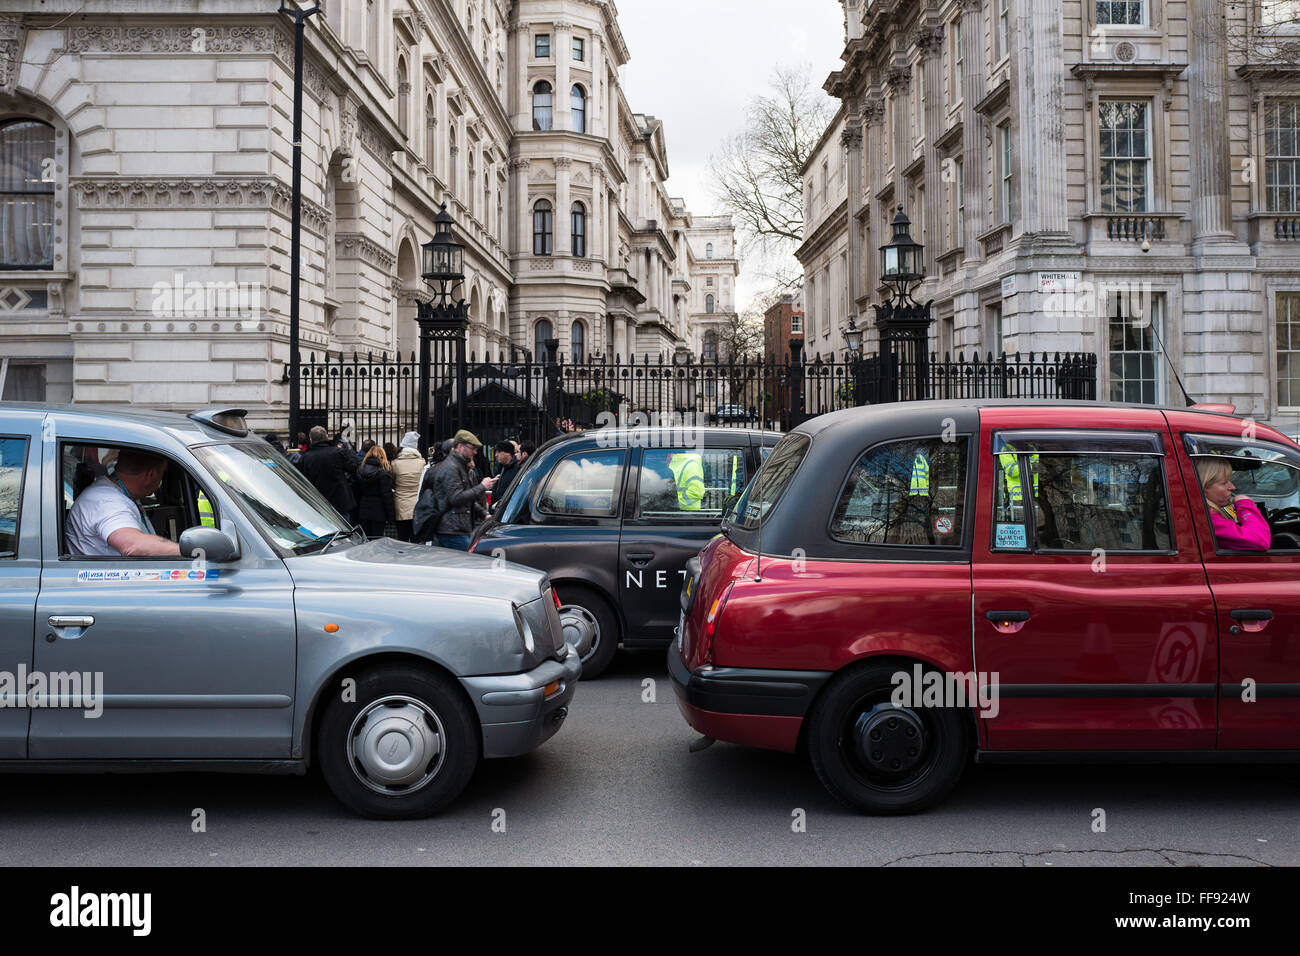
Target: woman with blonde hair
{"points": [[375, 479], [1237, 523]]}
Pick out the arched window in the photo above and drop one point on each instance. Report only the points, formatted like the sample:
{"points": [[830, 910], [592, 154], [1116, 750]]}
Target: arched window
{"points": [[430, 131], [708, 251], [469, 166], [26, 195], [575, 342], [578, 224], [403, 97], [710, 345], [451, 154], [578, 105], [708, 303], [542, 228], [541, 332], [542, 105]]}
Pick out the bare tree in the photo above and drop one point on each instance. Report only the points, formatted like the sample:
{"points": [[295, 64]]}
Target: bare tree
{"points": [[1264, 35], [759, 171]]}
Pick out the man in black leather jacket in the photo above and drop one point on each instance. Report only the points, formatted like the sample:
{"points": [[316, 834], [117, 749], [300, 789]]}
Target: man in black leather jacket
{"points": [[457, 492]]}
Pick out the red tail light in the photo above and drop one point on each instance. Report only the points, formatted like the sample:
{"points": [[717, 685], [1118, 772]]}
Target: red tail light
{"points": [[712, 622]]}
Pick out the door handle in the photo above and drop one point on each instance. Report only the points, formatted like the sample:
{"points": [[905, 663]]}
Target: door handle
{"points": [[68, 626], [1007, 622], [1250, 620], [71, 620], [641, 558]]}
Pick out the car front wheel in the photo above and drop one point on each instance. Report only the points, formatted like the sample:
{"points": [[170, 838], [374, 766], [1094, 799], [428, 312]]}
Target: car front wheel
{"points": [[880, 758], [398, 742]]}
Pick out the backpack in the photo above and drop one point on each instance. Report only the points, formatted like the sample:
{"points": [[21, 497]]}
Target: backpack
{"points": [[428, 511]]}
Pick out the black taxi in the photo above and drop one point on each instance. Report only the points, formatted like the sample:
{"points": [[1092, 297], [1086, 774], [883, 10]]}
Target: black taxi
{"points": [[613, 515]]}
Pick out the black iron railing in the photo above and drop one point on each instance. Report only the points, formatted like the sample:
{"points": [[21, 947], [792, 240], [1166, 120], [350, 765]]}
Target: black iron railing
{"points": [[501, 398]]}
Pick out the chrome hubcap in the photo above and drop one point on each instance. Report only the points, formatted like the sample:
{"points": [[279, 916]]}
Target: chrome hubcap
{"points": [[580, 629], [395, 745]]}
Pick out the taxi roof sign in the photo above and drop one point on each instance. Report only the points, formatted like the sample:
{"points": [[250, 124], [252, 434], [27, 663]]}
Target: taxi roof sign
{"points": [[228, 420]]}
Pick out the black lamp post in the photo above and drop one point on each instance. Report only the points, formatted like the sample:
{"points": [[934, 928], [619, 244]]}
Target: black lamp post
{"points": [[442, 268], [295, 202], [903, 323]]}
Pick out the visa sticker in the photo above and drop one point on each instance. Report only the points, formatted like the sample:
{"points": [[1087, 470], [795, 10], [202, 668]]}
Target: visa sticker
{"points": [[1010, 536]]}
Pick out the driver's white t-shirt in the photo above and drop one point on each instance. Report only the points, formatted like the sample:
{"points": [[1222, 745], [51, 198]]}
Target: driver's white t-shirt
{"points": [[99, 511]]}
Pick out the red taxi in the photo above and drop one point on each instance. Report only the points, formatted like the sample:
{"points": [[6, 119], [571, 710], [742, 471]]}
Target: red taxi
{"points": [[903, 586]]}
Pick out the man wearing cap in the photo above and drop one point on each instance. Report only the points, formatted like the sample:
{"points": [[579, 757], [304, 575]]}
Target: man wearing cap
{"points": [[457, 492]]}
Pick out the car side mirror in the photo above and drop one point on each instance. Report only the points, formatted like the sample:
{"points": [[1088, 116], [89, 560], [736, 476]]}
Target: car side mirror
{"points": [[210, 544]]}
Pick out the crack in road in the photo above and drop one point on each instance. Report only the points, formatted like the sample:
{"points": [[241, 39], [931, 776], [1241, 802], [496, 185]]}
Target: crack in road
{"points": [[1025, 855]]}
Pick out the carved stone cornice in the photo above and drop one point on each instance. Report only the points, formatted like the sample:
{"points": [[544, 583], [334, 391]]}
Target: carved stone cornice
{"points": [[354, 245], [873, 111], [215, 192], [12, 36], [374, 139], [899, 78], [188, 38], [929, 39]]}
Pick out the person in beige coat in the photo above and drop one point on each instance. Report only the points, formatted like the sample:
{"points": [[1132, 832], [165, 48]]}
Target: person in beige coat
{"points": [[407, 467]]}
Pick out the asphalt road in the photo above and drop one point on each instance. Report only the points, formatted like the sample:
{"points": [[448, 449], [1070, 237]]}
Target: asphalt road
{"points": [[618, 786]]}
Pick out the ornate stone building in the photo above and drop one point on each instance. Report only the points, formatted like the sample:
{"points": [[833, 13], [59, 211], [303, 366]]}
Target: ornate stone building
{"points": [[1109, 176], [144, 231]]}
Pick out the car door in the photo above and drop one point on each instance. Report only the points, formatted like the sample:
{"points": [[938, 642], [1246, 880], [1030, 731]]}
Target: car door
{"points": [[192, 660], [20, 572], [1257, 595], [673, 509], [1091, 608]]}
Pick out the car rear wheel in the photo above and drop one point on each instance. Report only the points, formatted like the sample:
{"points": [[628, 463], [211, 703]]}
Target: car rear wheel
{"points": [[586, 616], [880, 758], [400, 744]]}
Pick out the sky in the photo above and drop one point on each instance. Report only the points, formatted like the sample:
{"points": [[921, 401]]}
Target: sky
{"points": [[695, 64]]}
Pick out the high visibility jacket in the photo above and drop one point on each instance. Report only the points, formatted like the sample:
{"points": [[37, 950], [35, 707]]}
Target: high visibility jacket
{"points": [[206, 516], [735, 469], [920, 483], [1011, 474], [688, 473]]}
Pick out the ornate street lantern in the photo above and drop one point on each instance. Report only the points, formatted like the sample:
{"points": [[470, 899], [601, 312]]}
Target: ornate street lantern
{"points": [[902, 259]]}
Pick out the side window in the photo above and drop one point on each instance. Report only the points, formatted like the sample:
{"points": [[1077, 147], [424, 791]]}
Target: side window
{"points": [[761, 495], [1078, 493], [1267, 473], [689, 483], [910, 492], [176, 504], [13, 456], [584, 485]]}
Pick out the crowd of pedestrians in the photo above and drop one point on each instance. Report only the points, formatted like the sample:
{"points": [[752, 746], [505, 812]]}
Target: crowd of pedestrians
{"points": [[394, 491]]}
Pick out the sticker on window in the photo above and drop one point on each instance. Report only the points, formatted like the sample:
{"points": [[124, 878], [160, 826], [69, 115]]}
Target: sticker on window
{"points": [[943, 525], [1010, 536]]}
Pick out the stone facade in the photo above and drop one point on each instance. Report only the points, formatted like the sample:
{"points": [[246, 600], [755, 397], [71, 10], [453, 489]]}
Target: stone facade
{"points": [[1079, 184], [168, 185]]}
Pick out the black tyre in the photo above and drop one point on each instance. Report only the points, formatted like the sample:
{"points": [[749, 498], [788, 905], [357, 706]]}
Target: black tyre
{"points": [[879, 758], [586, 604], [403, 746]]}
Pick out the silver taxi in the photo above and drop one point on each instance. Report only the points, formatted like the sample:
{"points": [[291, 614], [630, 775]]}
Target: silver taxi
{"points": [[282, 635]]}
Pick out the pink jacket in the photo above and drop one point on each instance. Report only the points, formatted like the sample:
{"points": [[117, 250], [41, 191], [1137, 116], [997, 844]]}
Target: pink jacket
{"points": [[1250, 532]]}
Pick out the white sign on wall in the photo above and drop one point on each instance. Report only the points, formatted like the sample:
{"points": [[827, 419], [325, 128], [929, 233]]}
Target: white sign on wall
{"points": [[1008, 286], [1049, 282]]}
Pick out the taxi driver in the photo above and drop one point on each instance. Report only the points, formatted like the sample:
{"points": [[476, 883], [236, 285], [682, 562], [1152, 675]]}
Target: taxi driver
{"points": [[107, 520]]}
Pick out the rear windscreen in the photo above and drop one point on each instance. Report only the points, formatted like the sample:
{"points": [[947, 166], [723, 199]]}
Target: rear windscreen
{"points": [[769, 484]]}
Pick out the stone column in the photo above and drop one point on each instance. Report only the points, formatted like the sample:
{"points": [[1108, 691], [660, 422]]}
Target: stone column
{"points": [[441, 166], [930, 41], [1038, 105], [973, 155], [596, 212], [563, 243], [563, 55], [900, 83], [522, 214], [852, 140], [519, 84], [1207, 79], [873, 121], [596, 96]]}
